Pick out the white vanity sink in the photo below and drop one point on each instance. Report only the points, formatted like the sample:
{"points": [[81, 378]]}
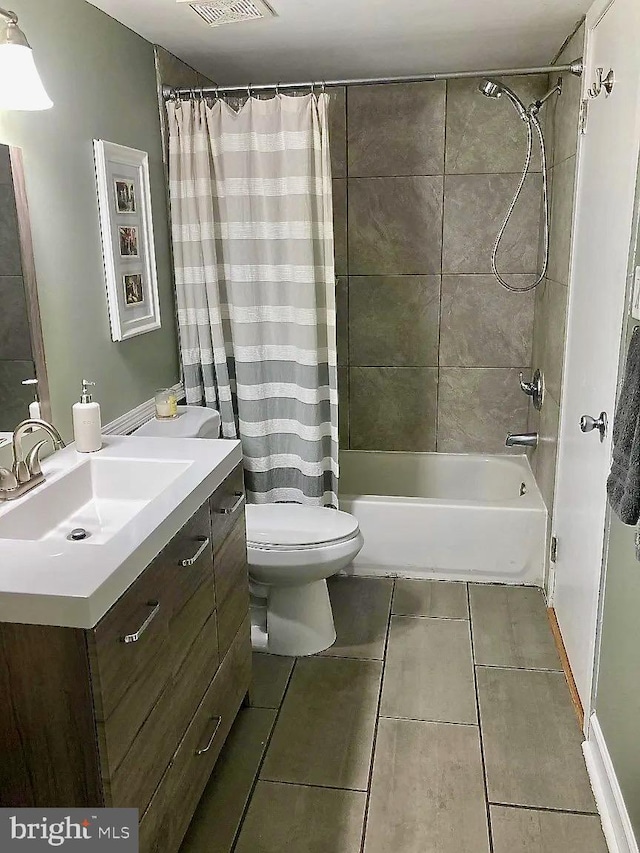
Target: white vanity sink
{"points": [[131, 497], [99, 495]]}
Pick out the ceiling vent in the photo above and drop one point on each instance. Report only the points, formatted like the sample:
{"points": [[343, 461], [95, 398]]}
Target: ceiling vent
{"points": [[221, 12]]}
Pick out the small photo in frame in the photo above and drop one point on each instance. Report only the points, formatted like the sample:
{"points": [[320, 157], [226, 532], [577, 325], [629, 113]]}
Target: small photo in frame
{"points": [[125, 196], [128, 240], [133, 290]]}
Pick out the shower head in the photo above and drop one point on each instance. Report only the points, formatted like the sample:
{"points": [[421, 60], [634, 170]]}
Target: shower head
{"points": [[490, 89], [495, 90]]}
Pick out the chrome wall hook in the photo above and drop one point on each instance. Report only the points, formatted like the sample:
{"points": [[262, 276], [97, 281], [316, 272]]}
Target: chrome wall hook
{"points": [[606, 82]]}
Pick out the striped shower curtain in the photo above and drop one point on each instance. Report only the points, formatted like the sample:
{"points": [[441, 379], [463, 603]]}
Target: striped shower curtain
{"points": [[251, 213]]}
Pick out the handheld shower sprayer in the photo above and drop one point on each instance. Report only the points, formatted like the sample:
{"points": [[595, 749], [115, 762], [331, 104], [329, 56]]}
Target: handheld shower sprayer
{"points": [[495, 89]]}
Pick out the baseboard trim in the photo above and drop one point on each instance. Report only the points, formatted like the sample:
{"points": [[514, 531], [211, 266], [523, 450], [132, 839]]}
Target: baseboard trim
{"points": [[566, 666], [133, 419], [616, 823]]}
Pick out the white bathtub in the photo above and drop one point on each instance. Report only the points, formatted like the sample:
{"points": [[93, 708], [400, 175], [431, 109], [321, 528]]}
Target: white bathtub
{"points": [[446, 516]]}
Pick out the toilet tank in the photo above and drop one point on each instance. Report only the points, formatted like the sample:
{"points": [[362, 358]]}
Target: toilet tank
{"points": [[191, 422]]}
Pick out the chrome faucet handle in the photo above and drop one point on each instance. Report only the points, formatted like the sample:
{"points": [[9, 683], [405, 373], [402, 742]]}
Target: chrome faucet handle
{"points": [[33, 459], [534, 389], [8, 480]]}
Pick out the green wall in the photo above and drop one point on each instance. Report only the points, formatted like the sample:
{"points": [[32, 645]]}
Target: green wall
{"points": [[101, 77], [618, 696]]}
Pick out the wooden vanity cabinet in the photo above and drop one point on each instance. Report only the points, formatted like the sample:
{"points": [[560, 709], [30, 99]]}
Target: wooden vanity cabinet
{"points": [[135, 711]]}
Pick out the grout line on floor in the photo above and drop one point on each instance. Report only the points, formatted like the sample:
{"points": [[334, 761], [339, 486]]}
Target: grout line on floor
{"points": [[544, 809], [314, 785], [517, 668], [375, 730], [322, 656], [425, 616], [256, 778], [434, 722], [482, 758]]}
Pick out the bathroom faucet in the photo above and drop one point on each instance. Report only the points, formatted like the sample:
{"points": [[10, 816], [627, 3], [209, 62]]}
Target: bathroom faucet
{"points": [[525, 439], [26, 473]]}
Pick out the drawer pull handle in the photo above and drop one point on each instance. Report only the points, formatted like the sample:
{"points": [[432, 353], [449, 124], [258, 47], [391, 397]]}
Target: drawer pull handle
{"points": [[191, 560], [212, 738], [229, 510], [133, 638]]}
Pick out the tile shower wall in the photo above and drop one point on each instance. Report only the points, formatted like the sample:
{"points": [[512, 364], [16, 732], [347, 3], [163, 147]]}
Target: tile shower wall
{"points": [[429, 344], [16, 363], [551, 298]]}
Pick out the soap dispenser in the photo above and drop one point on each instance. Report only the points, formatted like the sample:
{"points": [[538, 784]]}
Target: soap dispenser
{"points": [[87, 428]]}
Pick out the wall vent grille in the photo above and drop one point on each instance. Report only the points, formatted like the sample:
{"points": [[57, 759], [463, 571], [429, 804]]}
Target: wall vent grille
{"points": [[220, 12]]}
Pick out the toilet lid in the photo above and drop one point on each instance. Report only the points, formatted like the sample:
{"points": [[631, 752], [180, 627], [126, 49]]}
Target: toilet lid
{"points": [[293, 525]]}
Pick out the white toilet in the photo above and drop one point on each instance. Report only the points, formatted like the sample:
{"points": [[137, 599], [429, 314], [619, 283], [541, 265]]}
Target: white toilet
{"points": [[292, 551]]}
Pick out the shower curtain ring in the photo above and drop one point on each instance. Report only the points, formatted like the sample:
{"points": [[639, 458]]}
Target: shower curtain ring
{"points": [[217, 96], [323, 89], [277, 89], [313, 88], [249, 91]]}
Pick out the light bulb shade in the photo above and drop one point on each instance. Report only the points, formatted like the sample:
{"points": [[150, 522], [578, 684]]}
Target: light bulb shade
{"points": [[20, 85]]}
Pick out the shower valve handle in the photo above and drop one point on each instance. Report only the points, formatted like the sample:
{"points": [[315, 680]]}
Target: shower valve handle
{"points": [[534, 389]]}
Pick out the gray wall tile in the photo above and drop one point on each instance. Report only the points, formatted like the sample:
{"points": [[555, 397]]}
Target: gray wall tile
{"points": [[484, 325], [6, 176], [396, 129], [393, 408], [10, 258], [173, 71], [340, 225], [562, 112], [338, 131], [394, 320], [474, 208], [14, 397], [477, 407], [395, 225], [549, 334], [543, 460], [563, 184], [427, 791], [343, 407], [342, 320], [486, 135], [15, 336]]}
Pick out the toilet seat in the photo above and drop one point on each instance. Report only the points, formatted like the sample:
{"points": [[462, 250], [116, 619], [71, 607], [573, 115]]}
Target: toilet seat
{"points": [[291, 527]]}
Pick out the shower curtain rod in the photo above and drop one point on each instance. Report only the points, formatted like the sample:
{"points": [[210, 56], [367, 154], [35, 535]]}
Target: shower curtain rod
{"points": [[575, 67]]}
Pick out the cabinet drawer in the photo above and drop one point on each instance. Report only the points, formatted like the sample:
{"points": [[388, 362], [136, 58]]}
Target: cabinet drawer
{"points": [[133, 783], [123, 645], [232, 584], [195, 675], [227, 504], [166, 820], [188, 557]]}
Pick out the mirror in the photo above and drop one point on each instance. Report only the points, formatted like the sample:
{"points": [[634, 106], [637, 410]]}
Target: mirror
{"points": [[21, 344]]}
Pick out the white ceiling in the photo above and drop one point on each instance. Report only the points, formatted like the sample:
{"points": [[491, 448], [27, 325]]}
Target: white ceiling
{"points": [[338, 39]]}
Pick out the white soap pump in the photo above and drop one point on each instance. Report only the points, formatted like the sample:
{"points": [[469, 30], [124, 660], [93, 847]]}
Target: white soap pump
{"points": [[87, 428]]}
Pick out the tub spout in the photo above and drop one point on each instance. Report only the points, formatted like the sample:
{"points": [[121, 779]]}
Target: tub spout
{"points": [[525, 439]]}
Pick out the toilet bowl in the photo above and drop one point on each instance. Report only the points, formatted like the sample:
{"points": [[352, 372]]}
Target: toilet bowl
{"points": [[292, 551]]}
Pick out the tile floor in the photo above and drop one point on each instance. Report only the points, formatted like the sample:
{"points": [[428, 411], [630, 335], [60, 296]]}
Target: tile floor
{"points": [[439, 722]]}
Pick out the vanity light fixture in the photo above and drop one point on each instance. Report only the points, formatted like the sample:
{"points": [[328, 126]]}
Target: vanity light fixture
{"points": [[20, 85]]}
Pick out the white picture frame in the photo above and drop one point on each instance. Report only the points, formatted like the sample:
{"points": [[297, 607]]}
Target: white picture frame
{"points": [[126, 230]]}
